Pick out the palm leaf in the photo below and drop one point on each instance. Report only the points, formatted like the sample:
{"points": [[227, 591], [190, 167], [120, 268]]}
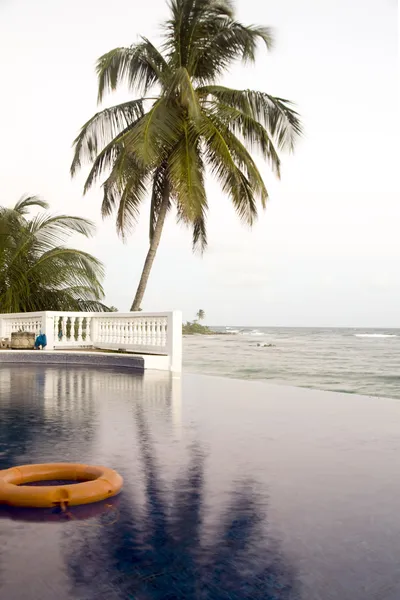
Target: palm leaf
{"points": [[160, 181], [139, 66], [276, 114], [156, 133], [102, 128], [186, 174], [124, 191], [26, 202], [218, 155], [37, 272]]}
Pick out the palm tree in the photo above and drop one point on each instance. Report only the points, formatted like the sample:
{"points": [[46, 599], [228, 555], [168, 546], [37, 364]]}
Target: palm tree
{"points": [[182, 123], [37, 272], [201, 315]]}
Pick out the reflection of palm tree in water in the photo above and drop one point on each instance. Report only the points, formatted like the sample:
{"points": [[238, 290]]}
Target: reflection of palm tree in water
{"points": [[162, 556]]}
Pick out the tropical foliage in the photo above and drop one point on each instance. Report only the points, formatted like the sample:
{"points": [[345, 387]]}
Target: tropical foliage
{"points": [[37, 272], [184, 122], [196, 328], [201, 315]]}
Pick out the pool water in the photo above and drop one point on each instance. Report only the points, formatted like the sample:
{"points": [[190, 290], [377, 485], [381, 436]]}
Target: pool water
{"points": [[233, 490]]}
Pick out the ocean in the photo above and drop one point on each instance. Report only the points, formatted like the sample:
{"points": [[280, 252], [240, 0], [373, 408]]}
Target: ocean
{"points": [[357, 361]]}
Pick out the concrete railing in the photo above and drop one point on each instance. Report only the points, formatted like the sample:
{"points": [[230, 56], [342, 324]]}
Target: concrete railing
{"points": [[158, 336]]}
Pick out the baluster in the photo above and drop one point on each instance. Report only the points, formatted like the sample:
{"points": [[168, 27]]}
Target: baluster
{"points": [[55, 329], [152, 340], [64, 329], [135, 332], [116, 330], [101, 330], [88, 329], [112, 331], [144, 336], [72, 330], [125, 331], [156, 332], [139, 331], [104, 331], [105, 337], [130, 333], [164, 332], [79, 337]]}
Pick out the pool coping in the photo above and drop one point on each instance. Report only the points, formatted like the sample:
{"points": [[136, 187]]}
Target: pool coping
{"points": [[69, 357]]}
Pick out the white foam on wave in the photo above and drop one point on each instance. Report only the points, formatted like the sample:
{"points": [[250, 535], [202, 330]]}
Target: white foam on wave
{"points": [[253, 332], [375, 335]]}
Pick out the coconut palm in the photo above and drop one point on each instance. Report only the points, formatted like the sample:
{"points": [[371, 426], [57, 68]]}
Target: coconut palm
{"points": [[183, 123], [201, 315], [37, 272]]}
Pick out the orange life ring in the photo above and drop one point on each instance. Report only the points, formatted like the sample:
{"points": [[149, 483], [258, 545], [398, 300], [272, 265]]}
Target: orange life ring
{"points": [[95, 484]]}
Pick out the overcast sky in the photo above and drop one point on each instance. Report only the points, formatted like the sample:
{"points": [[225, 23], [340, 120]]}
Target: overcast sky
{"points": [[326, 252]]}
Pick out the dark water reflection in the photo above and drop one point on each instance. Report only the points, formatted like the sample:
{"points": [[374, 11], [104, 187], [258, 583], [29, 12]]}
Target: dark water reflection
{"points": [[229, 494]]}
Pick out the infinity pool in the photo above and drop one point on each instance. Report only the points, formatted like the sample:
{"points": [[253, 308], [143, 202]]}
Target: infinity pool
{"points": [[233, 490]]}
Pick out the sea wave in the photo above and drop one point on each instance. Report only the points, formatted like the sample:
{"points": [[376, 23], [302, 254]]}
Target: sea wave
{"points": [[375, 335], [252, 332]]}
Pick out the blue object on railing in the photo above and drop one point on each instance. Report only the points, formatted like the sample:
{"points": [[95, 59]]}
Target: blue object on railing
{"points": [[41, 340]]}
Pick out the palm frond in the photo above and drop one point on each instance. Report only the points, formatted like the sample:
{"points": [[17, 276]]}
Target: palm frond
{"points": [[225, 43], [199, 230], [37, 272], [49, 230], [275, 114], [139, 66], [104, 127], [124, 191], [181, 88], [186, 174], [187, 18], [160, 181], [156, 133], [234, 183], [26, 202], [251, 132]]}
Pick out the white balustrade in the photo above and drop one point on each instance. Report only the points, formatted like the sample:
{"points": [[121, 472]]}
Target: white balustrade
{"points": [[12, 323], [157, 334], [134, 331]]}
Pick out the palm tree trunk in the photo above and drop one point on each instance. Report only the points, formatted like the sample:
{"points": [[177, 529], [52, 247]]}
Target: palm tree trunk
{"points": [[151, 254]]}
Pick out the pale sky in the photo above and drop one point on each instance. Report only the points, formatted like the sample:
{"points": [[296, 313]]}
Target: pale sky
{"points": [[326, 252]]}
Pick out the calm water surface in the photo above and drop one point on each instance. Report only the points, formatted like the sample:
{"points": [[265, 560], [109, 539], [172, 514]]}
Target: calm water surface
{"points": [[233, 490]]}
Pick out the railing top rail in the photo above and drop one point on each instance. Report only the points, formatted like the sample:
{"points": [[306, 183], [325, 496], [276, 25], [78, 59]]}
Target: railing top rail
{"points": [[70, 313], [26, 315], [129, 315]]}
